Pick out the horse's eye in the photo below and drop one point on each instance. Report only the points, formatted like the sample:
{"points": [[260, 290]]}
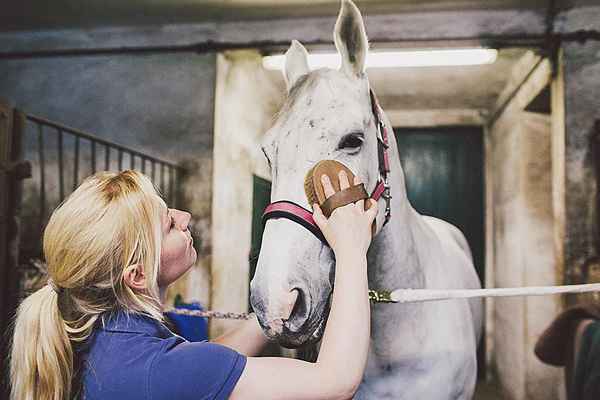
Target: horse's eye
{"points": [[351, 141]]}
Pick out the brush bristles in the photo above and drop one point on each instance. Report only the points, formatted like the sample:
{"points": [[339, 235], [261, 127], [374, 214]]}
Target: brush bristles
{"points": [[309, 188]]}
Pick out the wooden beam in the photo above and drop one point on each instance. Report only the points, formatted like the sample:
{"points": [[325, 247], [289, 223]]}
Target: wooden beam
{"points": [[12, 127], [557, 93], [455, 26], [428, 118], [525, 87]]}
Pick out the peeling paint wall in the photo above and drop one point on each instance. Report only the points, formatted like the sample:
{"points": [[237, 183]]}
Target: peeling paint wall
{"points": [[577, 191], [582, 105]]}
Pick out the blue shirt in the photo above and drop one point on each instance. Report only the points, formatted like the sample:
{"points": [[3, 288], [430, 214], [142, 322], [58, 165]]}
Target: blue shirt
{"points": [[135, 357]]}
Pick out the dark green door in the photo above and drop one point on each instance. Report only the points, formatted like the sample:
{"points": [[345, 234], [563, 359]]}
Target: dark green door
{"points": [[443, 168]]}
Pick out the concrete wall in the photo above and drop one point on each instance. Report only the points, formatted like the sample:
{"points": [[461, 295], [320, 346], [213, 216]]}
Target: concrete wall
{"points": [[576, 180], [519, 198], [160, 104], [247, 98]]}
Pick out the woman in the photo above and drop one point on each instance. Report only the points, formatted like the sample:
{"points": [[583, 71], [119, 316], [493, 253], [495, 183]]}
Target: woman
{"points": [[95, 331]]}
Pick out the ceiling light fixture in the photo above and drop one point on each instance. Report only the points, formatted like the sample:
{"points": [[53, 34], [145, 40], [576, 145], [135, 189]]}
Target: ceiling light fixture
{"points": [[393, 59]]}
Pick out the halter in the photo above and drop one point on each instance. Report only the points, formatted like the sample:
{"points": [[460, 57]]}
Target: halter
{"points": [[294, 212]]}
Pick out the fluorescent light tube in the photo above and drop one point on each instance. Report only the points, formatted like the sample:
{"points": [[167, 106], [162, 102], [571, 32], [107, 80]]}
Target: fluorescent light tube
{"points": [[394, 59]]}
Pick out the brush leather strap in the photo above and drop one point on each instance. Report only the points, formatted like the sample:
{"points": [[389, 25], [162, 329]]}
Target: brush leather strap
{"points": [[344, 197]]}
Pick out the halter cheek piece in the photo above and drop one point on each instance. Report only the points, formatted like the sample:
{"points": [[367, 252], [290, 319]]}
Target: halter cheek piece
{"points": [[294, 212]]}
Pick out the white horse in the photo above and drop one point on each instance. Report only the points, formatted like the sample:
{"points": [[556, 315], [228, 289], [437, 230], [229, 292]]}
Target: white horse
{"points": [[417, 351]]}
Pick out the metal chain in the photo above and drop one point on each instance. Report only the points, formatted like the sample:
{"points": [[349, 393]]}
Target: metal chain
{"points": [[381, 296], [208, 314]]}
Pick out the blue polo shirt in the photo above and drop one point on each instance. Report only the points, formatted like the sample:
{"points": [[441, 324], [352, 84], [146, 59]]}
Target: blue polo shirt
{"points": [[133, 357]]}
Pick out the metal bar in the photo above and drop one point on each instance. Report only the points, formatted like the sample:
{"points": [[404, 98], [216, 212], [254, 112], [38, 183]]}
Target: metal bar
{"points": [[42, 160], [153, 173], [106, 157], [120, 159], [61, 178], [88, 136], [93, 150], [76, 164], [131, 161], [143, 165]]}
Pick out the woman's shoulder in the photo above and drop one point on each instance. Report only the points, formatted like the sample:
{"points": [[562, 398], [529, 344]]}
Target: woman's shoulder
{"points": [[136, 351]]}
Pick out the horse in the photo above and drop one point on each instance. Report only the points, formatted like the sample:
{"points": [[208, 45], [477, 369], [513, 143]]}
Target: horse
{"points": [[418, 350]]}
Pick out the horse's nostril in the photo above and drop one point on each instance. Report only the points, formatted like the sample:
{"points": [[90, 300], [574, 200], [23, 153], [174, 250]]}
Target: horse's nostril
{"points": [[300, 311], [289, 304]]}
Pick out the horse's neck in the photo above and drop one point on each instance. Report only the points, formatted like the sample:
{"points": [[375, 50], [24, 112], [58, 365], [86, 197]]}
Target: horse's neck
{"points": [[395, 259]]}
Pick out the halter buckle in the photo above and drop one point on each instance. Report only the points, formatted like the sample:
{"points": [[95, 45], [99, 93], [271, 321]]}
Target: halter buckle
{"points": [[388, 197]]}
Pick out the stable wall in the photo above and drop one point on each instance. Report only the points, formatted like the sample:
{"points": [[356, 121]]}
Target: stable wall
{"points": [[575, 180], [159, 104], [520, 245], [247, 98]]}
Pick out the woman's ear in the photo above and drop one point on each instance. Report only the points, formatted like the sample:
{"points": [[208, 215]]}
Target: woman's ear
{"points": [[134, 277]]}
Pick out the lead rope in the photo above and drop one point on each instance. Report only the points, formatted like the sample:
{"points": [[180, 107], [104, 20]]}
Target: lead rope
{"points": [[423, 295]]}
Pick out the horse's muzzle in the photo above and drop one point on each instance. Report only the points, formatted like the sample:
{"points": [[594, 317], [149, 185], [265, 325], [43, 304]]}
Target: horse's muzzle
{"points": [[289, 319]]}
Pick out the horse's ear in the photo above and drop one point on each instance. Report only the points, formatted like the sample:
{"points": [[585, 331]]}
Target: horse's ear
{"points": [[351, 39], [296, 63]]}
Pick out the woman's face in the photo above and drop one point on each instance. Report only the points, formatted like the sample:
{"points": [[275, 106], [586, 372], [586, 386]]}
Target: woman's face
{"points": [[177, 253]]}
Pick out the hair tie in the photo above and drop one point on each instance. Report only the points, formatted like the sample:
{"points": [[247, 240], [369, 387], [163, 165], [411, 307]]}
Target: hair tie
{"points": [[54, 286]]}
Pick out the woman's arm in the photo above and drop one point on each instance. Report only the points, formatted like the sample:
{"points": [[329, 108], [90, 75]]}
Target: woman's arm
{"points": [[247, 339], [342, 358]]}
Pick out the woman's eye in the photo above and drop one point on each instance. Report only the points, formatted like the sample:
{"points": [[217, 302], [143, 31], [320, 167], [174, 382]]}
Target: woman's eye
{"points": [[351, 141]]}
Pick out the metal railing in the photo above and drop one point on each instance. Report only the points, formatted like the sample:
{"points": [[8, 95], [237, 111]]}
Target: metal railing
{"points": [[104, 155]]}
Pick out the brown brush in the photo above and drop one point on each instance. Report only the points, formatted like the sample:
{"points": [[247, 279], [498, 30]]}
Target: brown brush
{"points": [[314, 189]]}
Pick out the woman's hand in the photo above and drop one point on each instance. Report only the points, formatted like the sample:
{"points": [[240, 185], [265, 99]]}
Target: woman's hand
{"points": [[342, 357], [348, 229]]}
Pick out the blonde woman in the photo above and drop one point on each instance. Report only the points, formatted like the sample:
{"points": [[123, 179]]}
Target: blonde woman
{"points": [[95, 331]]}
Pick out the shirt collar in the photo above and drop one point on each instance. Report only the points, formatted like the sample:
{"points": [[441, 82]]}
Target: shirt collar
{"points": [[132, 322]]}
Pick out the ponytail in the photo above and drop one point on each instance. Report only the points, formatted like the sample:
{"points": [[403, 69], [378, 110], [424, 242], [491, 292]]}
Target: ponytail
{"points": [[110, 221], [41, 361]]}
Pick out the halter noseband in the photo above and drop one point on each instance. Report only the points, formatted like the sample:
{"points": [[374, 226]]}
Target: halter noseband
{"points": [[294, 212]]}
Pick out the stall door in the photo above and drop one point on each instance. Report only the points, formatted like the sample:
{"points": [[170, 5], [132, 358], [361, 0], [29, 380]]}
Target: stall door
{"points": [[443, 168]]}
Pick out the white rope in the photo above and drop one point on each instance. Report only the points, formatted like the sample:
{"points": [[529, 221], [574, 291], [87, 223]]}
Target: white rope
{"points": [[420, 295]]}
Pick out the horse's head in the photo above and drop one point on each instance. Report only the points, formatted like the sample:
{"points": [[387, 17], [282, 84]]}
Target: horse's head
{"points": [[327, 115]]}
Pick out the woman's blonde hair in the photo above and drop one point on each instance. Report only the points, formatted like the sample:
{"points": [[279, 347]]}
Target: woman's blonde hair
{"points": [[109, 222]]}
